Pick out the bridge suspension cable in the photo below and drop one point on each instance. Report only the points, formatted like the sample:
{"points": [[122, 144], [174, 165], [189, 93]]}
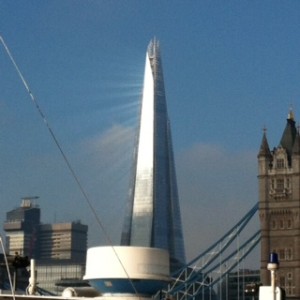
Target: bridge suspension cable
{"points": [[209, 268]]}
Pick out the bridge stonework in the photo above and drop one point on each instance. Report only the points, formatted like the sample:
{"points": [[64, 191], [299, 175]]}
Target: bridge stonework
{"points": [[279, 208]]}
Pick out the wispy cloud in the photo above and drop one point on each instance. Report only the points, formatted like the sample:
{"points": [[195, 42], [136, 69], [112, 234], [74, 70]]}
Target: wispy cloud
{"points": [[216, 187], [104, 161]]}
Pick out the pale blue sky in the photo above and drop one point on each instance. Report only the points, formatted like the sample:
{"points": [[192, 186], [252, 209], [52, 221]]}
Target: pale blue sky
{"points": [[230, 67]]}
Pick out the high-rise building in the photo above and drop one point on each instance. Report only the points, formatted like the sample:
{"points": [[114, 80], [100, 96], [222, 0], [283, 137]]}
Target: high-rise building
{"points": [[21, 228], [279, 207], [59, 249], [63, 241], [27, 236], [153, 217]]}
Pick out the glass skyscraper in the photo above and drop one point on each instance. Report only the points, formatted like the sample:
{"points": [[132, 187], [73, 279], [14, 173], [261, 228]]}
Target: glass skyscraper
{"points": [[153, 214]]}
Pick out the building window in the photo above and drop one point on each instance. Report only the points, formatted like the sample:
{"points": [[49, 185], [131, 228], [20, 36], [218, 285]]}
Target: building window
{"points": [[273, 224], [280, 185], [281, 224], [290, 289], [282, 281], [281, 254], [289, 223], [288, 254], [272, 184], [280, 163]]}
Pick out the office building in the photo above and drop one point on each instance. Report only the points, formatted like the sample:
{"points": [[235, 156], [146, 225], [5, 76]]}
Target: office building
{"points": [[279, 207], [153, 217], [27, 236], [63, 241], [21, 228], [59, 249]]}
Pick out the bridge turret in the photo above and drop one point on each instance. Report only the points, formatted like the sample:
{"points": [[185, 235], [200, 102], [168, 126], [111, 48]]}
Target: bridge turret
{"points": [[264, 156]]}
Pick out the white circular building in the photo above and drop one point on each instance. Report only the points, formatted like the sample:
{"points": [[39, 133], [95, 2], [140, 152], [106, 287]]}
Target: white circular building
{"points": [[127, 270]]}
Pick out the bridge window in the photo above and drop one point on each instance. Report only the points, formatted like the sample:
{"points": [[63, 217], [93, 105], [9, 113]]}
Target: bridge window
{"points": [[280, 163], [288, 254], [280, 185], [281, 224], [282, 281], [288, 183], [281, 254], [289, 289], [285, 254]]}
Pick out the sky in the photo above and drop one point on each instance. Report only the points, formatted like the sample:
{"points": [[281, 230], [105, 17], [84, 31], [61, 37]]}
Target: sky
{"points": [[231, 68]]}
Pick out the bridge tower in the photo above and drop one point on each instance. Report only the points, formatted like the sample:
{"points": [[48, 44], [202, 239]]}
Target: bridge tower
{"points": [[279, 207]]}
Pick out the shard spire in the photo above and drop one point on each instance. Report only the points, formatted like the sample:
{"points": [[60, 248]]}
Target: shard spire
{"points": [[153, 214]]}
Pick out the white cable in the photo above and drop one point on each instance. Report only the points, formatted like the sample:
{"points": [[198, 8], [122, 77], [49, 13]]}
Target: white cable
{"points": [[65, 158], [7, 268]]}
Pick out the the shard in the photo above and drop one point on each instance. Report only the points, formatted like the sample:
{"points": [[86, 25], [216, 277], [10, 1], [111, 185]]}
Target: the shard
{"points": [[153, 214]]}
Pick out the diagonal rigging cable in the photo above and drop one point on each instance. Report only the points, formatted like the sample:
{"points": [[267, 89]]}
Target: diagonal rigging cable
{"points": [[65, 158]]}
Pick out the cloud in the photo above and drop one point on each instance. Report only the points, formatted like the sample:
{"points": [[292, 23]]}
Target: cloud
{"points": [[107, 155], [217, 187], [110, 140], [104, 161]]}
